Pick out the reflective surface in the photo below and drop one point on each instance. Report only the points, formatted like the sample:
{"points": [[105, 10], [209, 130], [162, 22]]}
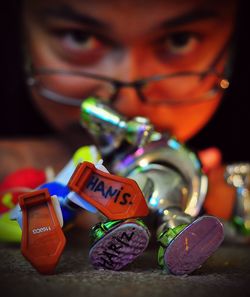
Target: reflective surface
{"points": [[168, 173], [238, 176]]}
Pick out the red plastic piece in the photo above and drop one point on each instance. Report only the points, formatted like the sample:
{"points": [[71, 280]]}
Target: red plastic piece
{"points": [[17, 183], [114, 196], [43, 240]]}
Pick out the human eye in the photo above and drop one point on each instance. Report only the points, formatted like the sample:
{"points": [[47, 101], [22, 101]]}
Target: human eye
{"points": [[181, 43], [77, 40], [79, 45]]}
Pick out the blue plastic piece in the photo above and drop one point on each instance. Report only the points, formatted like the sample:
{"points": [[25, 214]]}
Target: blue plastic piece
{"points": [[75, 198], [61, 191]]}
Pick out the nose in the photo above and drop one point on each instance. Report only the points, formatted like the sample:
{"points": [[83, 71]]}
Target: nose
{"points": [[127, 102], [137, 63]]}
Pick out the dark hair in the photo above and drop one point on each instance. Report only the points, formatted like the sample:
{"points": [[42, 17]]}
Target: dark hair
{"points": [[18, 115], [228, 129]]}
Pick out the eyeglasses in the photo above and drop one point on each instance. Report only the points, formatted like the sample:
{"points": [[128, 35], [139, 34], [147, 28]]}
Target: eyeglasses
{"points": [[71, 87]]}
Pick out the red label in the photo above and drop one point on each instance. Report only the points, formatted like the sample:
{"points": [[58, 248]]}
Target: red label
{"points": [[43, 240], [114, 196]]}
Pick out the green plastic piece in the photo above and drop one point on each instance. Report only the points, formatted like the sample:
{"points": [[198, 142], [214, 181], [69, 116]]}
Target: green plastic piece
{"points": [[165, 239], [240, 225], [9, 229], [99, 230]]}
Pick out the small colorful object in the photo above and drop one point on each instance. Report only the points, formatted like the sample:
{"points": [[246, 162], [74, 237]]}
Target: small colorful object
{"points": [[114, 196], [186, 247], [43, 240], [17, 183], [118, 243]]}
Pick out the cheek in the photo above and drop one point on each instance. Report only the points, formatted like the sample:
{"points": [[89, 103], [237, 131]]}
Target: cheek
{"points": [[182, 122], [185, 122], [59, 116]]}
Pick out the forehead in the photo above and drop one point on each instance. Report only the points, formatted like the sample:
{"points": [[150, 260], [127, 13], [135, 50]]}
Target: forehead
{"points": [[133, 17], [127, 10]]}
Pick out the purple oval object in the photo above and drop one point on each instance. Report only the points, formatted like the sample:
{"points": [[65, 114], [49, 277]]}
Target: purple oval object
{"points": [[194, 245], [119, 247]]}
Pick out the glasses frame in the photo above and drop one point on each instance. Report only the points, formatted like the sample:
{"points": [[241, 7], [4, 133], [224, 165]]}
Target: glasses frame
{"points": [[137, 85]]}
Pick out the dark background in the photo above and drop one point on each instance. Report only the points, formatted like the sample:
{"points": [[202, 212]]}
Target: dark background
{"points": [[226, 273], [228, 130]]}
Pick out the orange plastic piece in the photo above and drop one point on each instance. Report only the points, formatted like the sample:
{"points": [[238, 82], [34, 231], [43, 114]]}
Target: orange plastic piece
{"points": [[114, 196], [220, 199], [43, 240]]}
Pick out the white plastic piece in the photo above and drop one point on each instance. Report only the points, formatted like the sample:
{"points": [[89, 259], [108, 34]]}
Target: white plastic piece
{"points": [[76, 199], [64, 175], [99, 165], [16, 214], [57, 208], [94, 153], [49, 173]]}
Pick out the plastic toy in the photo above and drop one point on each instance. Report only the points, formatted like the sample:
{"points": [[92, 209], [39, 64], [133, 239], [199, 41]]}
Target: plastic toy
{"points": [[41, 217], [114, 196], [117, 243], [16, 183], [238, 227], [173, 184], [26, 180], [144, 164], [43, 240]]}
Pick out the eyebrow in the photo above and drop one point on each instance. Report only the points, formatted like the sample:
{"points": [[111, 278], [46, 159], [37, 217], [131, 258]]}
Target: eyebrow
{"points": [[190, 17], [67, 13]]}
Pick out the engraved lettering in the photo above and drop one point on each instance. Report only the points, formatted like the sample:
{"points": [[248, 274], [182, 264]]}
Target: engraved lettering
{"points": [[109, 256], [41, 230], [105, 263], [100, 188], [92, 182], [110, 193], [126, 236], [97, 185], [125, 197], [115, 248]]}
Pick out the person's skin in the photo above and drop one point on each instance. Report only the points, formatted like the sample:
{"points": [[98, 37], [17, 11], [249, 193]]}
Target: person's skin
{"points": [[129, 40]]}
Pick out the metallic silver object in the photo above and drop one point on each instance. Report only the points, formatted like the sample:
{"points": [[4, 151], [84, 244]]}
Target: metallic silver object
{"points": [[168, 173], [238, 176], [111, 129]]}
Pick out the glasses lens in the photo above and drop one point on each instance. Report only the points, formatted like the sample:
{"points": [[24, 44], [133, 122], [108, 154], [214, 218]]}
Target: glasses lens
{"points": [[71, 87], [181, 88]]}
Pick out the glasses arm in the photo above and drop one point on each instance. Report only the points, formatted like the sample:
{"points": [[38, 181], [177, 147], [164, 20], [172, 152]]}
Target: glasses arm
{"points": [[220, 55], [52, 96]]}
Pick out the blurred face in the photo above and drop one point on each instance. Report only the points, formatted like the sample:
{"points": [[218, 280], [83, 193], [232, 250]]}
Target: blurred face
{"points": [[131, 40]]}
